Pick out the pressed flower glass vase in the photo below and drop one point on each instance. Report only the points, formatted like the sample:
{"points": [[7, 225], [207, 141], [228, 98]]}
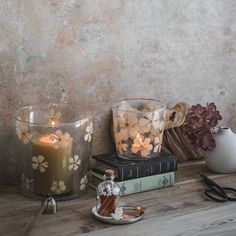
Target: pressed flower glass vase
{"points": [[138, 128], [55, 145]]}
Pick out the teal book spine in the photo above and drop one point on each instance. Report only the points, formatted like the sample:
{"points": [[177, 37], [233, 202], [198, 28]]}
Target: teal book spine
{"points": [[139, 184]]}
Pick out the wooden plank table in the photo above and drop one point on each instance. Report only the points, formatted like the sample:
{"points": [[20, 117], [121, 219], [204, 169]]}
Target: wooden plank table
{"points": [[178, 210]]}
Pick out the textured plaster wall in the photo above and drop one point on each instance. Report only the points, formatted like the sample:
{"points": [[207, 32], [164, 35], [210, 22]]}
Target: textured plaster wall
{"points": [[101, 51]]}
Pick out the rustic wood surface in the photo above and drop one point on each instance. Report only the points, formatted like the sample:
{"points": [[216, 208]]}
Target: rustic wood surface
{"points": [[179, 210]]}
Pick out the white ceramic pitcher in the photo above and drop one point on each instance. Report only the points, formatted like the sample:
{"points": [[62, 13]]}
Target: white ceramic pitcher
{"points": [[223, 158]]}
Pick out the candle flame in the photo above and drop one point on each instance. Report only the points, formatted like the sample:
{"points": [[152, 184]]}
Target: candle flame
{"points": [[53, 122], [139, 138]]}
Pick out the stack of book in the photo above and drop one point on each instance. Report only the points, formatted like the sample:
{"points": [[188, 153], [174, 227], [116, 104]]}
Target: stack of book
{"points": [[135, 176]]}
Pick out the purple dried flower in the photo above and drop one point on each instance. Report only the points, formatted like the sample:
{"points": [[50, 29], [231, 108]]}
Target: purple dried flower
{"points": [[198, 124]]}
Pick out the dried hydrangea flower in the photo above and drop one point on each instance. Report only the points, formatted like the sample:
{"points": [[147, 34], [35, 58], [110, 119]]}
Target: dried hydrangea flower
{"points": [[199, 123]]}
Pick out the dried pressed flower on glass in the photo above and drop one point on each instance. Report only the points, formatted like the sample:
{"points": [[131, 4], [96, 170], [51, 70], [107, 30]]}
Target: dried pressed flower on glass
{"points": [[138, 128]]}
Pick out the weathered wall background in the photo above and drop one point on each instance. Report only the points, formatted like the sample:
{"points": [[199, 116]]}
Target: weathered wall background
{"points": [[101, 51]]}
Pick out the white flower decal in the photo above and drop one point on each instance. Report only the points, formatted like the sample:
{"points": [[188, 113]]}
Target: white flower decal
{"points": [[58, 187], [26, 181], [83, 182], [143, 146], [157, 144], [74, 162], [39, 163], [61, 140], [88, 135], [157, 120], [23, 133]]}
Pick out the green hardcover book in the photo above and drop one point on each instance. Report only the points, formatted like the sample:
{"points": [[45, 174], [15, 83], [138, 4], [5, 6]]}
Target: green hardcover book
{"points": [[136, 185]]}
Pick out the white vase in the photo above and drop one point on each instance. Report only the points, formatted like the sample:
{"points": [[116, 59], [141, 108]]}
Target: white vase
{"points": [[223, 158]]}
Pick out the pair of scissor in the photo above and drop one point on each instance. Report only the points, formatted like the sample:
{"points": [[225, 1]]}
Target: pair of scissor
{"points": [[216, 192]]}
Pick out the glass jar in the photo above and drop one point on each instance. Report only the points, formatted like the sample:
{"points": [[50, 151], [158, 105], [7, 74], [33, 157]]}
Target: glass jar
{"points": [[138, 128], [108, 193], [55, 144]]}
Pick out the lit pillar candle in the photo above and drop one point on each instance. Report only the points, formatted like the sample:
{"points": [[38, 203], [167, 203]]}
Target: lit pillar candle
{"points": [[50, 162]]}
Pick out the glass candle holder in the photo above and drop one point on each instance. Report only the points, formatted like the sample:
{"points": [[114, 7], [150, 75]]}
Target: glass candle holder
{"points": [[138, 128], [55, 143]]}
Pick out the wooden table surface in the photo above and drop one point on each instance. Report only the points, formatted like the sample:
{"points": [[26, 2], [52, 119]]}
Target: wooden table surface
{"points": [[178, 210]]}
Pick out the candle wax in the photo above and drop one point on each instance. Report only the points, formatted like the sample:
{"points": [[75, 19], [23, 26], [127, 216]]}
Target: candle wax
{"points": [[57, 158]]}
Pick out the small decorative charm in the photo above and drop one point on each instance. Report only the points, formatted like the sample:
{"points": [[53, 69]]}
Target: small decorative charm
{"points": [[50, 205]]}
